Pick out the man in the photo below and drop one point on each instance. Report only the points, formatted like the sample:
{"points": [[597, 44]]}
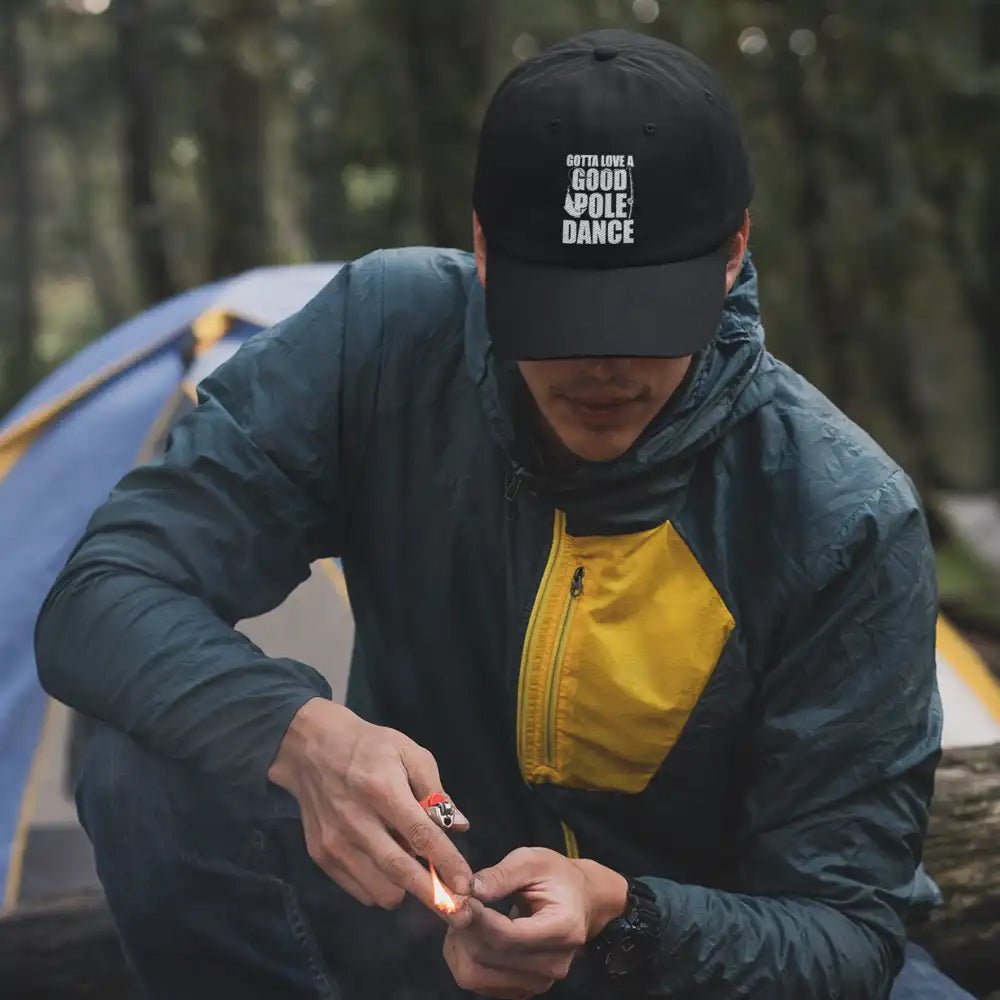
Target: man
{"points": [[654, 613]]}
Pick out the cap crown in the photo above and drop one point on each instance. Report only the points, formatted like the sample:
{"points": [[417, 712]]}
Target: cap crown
{"points": [[611, 149]]}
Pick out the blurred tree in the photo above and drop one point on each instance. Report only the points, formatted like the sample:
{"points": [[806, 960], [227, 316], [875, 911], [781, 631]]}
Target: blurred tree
{"points": [[445, 50], [20, 356], [178, 141], [137, 80], [230, 116], [986, 294]]}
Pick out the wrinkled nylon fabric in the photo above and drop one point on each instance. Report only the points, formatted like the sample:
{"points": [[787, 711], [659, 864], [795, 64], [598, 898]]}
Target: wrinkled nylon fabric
{"points": [[782, 830]]}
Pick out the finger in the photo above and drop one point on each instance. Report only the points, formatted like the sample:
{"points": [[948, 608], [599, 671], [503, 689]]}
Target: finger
{"points": [[402, 869], [471, 975], [324, 856], [546, 964], [346, 881], [520, 868], [550, 929], [403, 813], [421, 769], [391, 859], [382, 890]]}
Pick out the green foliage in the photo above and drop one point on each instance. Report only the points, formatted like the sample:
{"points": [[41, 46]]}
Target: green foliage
{"points": [[870, 126]]}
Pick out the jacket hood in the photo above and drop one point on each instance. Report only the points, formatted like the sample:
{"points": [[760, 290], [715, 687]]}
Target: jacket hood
{"points": [[643, 486]]}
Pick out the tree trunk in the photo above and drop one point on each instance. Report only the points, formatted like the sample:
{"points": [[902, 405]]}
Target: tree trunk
{"points": [[136, 69], [446, 51], [21, 321], [835, 322], [231, 118], [989, 311]]}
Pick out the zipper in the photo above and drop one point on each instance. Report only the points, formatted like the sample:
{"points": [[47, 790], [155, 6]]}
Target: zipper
{"points": [[572, 847], [512, 486], [525, 668], [551, 699]]}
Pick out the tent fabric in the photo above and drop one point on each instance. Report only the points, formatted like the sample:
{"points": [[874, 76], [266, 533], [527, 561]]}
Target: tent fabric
{"points": [[67, 443], [63, 448]]}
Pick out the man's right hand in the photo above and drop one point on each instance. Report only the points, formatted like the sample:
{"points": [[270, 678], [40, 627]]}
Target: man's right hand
{"points": [[359, 786]]}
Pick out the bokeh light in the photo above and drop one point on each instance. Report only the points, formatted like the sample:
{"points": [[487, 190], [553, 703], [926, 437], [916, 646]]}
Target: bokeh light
{"points": [[184, 151], [88, 6], [525, 46], [752, 41], [646, 11], [802, 42]]}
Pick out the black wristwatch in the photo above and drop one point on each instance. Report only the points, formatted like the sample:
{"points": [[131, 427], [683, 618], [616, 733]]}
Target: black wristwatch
{"points": [[626, 946]]}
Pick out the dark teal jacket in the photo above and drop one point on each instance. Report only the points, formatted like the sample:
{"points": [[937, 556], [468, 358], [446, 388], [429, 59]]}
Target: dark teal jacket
{"points": [[709, 663]]}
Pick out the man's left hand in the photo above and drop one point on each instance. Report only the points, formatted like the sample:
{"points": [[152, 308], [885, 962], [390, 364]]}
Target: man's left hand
{"points": [[561, 903]]}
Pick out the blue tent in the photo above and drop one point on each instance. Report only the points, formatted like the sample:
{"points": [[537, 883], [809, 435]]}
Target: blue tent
{"points": [[64, 447], [109, 408]]}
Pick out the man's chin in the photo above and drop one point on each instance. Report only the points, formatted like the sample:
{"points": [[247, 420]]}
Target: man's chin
{"points": [[601, 448]]}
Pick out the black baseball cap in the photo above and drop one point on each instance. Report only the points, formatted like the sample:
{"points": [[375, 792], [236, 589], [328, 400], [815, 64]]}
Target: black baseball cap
{"points": [[611, 173]]}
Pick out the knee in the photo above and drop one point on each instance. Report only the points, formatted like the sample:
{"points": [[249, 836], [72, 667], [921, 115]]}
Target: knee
{"points": [[123, 798]]}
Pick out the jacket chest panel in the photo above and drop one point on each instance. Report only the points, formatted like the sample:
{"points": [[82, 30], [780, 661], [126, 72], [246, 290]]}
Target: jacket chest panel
{"points": [[624, 634]]}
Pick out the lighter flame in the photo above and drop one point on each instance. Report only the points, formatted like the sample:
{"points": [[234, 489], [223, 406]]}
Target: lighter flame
{"points": [[443, 899]]}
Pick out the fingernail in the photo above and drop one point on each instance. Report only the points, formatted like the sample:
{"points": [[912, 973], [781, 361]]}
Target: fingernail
{"points": [[463, 885], [477, 885]]}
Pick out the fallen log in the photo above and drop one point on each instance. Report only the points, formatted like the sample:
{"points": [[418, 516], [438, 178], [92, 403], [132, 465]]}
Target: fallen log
{"points": [[962, 854], [66, 948], [63, 948]]}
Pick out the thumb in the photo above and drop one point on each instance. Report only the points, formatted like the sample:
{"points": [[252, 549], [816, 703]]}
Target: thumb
{"points": [[421, 769], [519, 869]]}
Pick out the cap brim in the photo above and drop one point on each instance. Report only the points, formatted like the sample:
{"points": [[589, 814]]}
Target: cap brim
{"points": [[537, 311]]}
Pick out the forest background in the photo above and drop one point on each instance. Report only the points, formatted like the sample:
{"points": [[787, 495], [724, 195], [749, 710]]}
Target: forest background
{"points": [[147, 146]]}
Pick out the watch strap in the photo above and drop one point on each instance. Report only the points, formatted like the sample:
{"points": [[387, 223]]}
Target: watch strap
{"points": [[628, 943]]}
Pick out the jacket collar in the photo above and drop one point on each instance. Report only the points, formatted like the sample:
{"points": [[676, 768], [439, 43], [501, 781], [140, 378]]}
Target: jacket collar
{"points": [[723, 385]]}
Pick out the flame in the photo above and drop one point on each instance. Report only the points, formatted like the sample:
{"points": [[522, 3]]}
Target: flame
{"points": [[443, 899]]}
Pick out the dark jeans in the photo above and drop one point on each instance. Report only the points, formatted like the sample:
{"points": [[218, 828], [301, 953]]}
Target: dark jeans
{"points": [[214, 895]]}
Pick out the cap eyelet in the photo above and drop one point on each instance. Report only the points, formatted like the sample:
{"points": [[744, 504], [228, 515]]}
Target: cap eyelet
{"points": [[710, 97], [553, 124], [649, 128]]}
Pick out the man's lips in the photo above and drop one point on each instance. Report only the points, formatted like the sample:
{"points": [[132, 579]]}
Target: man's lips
{"points": [[600, 405], [602, 412]]}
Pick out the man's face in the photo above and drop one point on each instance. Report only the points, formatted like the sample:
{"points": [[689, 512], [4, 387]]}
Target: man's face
{"points": [[597, 407], [626, 393]]}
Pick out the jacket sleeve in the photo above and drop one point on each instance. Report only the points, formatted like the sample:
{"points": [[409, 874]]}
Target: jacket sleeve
{"points": [[137, 629], [840, 778]]}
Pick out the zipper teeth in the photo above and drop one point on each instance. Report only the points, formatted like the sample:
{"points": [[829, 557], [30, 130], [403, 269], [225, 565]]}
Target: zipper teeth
{"points": [[572, 847], [551, 700], [522, 741]]}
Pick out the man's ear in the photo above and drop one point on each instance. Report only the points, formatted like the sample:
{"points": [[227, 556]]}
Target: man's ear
{"points": [[479, 245], [738, 252]]}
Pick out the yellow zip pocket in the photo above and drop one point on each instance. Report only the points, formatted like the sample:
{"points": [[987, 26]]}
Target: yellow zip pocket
{"points": [[625, 632]]}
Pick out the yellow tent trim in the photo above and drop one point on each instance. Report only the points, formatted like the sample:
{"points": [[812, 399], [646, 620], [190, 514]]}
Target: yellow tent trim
{"points": [[209, 328], [332, 570], [33, 422], [11, 452], [969, 666], [13, 888]]}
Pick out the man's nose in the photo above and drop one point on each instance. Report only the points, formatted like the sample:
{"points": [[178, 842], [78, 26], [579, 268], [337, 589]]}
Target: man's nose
{"points": [[607, 367]]}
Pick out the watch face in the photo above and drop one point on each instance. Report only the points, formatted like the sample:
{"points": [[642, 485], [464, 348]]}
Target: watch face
{"points": [[628, 954]]}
